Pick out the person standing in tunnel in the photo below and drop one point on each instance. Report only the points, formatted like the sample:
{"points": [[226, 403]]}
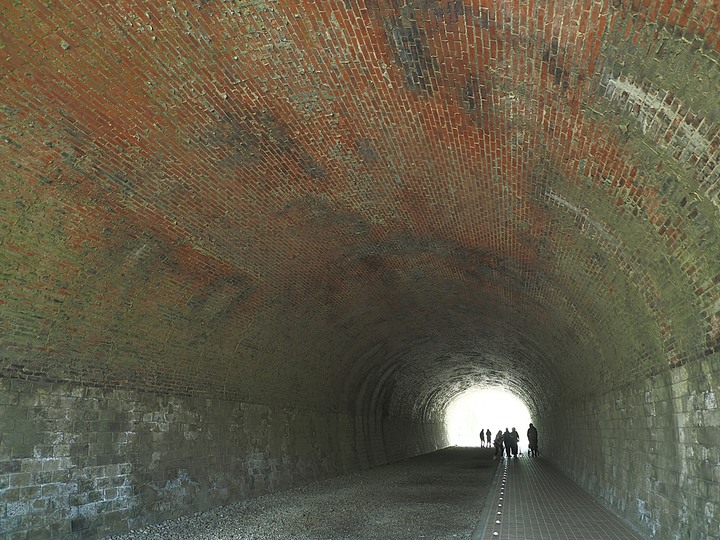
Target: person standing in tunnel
{"points": [[508, 442], [515, 440], [532, 436], [482, 437], [498, 442]]}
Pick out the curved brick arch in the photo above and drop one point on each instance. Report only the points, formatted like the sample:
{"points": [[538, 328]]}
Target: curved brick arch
{"points": [[284, 235]]}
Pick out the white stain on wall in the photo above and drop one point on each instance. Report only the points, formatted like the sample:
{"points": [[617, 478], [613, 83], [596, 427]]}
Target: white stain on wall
{"points": [[670, 124]]}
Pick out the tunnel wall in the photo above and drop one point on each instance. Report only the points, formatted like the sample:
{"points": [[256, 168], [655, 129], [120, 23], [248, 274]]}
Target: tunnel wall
{"points": [[649, 451], [86, 462]]}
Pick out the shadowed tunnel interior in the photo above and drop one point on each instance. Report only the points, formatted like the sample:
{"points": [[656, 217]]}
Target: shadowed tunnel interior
{"points": [[247, 245]]}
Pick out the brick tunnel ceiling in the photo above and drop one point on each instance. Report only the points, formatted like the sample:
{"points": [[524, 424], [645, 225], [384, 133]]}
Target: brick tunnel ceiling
{"points": [[331, 203]]}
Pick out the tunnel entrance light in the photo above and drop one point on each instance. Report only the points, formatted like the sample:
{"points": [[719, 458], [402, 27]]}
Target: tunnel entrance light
{"points": [[487, 408]]}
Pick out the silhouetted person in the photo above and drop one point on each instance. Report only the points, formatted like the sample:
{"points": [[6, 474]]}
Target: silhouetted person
{"points": [[498, 442], [532, 436], [508, 440], [482, 437], [488, 435], [515, 439]]}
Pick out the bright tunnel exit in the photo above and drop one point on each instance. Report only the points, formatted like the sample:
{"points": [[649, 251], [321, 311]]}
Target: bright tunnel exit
{"points": [[490, 408]]}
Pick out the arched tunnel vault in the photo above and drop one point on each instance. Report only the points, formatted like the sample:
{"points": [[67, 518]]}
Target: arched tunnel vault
{"points": [[284, 235]]}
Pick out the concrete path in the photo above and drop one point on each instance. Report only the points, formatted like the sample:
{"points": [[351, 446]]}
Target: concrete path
{"points": [[532, 500], [437, 496]]}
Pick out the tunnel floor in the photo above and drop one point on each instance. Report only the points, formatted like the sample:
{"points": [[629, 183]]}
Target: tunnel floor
{"points": [[532, 499], [435, 496], [449, 494]]}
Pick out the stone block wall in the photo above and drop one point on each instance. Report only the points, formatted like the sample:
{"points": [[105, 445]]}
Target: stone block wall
{"points": [[85, 462], [649, 451]]}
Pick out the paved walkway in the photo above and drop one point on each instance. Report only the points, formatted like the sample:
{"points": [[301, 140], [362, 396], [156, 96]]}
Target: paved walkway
{"points": [[532, 500]]}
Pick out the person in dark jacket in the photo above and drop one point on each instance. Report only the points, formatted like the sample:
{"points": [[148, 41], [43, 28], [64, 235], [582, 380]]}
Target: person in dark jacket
{"points": [[515, 440], [508, 441], [532, 436]]}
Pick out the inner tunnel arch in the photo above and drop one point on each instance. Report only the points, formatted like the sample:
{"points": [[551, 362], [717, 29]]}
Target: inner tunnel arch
{"points": [[485, 408]]}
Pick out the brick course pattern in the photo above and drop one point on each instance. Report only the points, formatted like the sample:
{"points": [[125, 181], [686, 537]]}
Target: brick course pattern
{"points": [[358, 208]]}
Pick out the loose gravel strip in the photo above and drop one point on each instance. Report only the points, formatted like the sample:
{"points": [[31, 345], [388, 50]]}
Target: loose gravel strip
{"points": [[439, 496]]}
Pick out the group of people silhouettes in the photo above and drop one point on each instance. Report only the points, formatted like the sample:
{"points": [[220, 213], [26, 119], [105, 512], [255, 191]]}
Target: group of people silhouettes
{"points": [[482, 437], [506, 443]]}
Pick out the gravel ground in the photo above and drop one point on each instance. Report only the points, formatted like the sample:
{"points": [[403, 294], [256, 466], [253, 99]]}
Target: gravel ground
{"points": [[436, 496]]}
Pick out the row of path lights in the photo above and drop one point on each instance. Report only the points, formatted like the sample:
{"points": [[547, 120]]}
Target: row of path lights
{"points": [[498, 518]]}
